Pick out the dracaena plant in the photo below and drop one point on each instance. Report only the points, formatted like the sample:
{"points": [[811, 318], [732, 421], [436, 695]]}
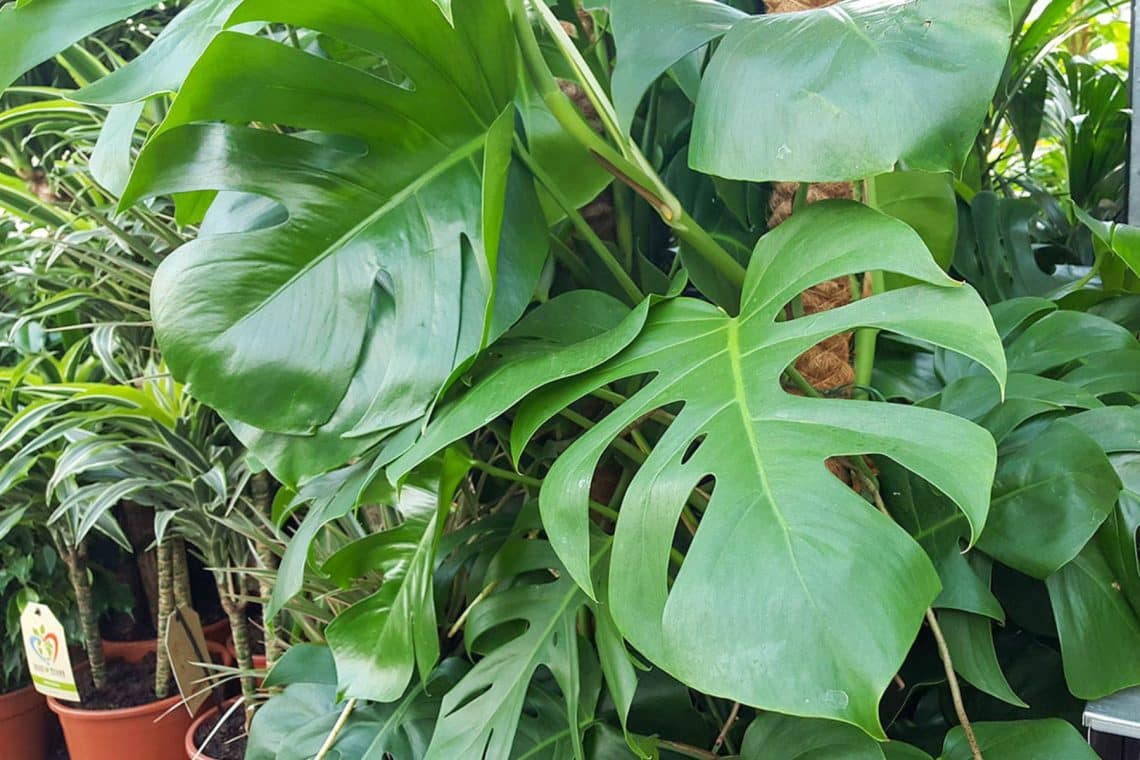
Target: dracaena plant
{"points": [[566, 450]]}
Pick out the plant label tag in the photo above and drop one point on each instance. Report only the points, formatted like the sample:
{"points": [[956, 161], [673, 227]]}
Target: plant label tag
{"points": [[45, 646], [186, 647]]}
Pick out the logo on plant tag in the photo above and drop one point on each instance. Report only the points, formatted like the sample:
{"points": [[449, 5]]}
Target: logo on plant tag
{"points": [[45, 647]]}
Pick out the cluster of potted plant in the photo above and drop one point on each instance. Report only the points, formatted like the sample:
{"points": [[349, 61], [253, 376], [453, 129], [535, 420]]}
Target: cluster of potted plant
{"points": [[576, 379]]}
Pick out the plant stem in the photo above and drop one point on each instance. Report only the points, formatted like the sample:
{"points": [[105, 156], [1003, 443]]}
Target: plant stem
{"points": [[181, 573], [330, 740], [687, 750], [711, 251], [509, 475], [165, 556], [76, 560], [463, 617], [865, 340], [239, 629], [633, 169], [952, 679], [632, 292], [728, 723], [801, 196], [801, 382], [263, 503]]}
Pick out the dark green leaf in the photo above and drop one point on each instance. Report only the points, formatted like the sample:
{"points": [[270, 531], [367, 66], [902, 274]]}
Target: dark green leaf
{"points": [[1050, 496], [1020, 740], [781, 737]]}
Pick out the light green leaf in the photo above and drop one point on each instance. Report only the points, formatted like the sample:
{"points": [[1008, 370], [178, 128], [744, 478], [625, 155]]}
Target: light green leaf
{"points": [[924, 200], [163, 66], [652, 35], [906, 81], [1121, 239], [775, 511], [32, 33]]}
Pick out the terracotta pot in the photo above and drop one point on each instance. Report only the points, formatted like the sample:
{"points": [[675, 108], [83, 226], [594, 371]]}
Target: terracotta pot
{"points": [[154, 731], [133, 651], [206, 716], [130, 651], [24, 724], [218, 632]]}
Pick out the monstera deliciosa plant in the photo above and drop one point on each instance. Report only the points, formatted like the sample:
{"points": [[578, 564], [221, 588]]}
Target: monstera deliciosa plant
{"points": [[502, 270]]}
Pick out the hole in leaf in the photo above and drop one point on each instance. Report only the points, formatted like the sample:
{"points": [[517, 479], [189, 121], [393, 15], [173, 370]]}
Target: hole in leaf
{"points": [[367, 61], [471, 697], [693, 446]]}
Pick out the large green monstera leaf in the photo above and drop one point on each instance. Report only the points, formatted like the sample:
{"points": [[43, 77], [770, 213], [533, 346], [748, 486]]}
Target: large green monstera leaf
{"points": [[408, 238], [900, 79], [796, 595]]}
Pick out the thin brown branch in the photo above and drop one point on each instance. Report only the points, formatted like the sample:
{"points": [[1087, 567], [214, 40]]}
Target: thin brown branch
{"points": [[728, 723], [932, 621], [952, 679]]}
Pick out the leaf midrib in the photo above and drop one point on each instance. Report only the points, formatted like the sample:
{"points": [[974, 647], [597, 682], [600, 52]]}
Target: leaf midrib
{"points": [[457, 156], [734, 355]]}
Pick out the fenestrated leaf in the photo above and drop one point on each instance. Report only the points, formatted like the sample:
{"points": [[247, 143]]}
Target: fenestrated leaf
{"points": [[163, 66], [995, 251], [775, 512], [413, 208], [382, 640], [904, 81], [1050, 495], [1020, 740], [34, 32], [480, 715], [567, 335]]}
